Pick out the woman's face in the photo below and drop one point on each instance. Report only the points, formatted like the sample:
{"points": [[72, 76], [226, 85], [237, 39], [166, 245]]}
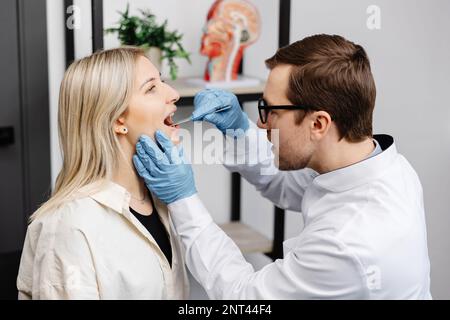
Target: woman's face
{"points": [[152, 105]]}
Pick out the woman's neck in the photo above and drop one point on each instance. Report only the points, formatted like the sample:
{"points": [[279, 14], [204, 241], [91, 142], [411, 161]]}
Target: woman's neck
{"points": [[126, 176], [129, 179]]}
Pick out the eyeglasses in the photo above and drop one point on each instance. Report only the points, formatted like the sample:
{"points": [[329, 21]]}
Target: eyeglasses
{"points": [[265, 109]]}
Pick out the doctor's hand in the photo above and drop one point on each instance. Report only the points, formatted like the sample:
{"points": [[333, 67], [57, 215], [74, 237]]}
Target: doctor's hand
{"points": [[165, 172], [209, 100]]}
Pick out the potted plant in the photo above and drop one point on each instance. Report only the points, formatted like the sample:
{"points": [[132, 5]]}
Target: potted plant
{"points": [[158, 43]]}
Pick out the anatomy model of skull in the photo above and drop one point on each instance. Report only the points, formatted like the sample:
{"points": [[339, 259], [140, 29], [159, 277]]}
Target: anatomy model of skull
{"points": [[232, 25]]}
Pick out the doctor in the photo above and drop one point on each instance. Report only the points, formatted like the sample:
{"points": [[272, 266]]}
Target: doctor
{"points": [[364, 233]]}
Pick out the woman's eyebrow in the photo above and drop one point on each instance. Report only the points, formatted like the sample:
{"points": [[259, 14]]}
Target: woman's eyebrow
{"points": [[149, 80]]}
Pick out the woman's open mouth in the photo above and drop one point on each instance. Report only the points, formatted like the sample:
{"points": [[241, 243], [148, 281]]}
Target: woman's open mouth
{"points": [[169, 121], [172, 128]]}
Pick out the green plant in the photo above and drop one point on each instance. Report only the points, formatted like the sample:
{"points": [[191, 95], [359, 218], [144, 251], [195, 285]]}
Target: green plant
{"points": [[146, 32]]}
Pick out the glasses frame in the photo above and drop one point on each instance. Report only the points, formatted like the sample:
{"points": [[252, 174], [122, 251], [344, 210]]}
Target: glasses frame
{"points": [[262, 106]]}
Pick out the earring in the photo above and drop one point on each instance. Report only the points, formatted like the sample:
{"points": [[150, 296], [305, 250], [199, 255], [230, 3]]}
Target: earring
{"points": [[124, 130]]}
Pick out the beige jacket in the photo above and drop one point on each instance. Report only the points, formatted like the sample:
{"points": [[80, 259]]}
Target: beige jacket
{"points": [[94, 248]]}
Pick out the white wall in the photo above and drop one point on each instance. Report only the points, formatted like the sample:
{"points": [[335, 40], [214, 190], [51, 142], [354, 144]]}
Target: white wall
{"points": [[57, 62], [83, 32], [411, 65], [56, 66]]}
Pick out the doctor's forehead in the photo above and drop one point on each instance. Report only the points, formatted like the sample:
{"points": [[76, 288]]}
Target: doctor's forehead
{"points": [[267, 98], [275, 94], [277, 84]]}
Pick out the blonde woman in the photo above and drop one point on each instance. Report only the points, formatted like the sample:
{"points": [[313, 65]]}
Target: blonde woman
{"points": [[102, 235]]}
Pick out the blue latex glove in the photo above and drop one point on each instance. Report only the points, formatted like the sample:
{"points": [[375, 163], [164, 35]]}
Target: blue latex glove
{"points": [[209, 100], [164, 170]]}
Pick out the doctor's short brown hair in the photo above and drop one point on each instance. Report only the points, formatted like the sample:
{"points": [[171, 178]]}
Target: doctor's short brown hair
{"points": [[332, 74]]}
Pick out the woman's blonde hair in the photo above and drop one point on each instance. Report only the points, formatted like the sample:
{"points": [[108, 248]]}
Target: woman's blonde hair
{"points": [[94, 93]]}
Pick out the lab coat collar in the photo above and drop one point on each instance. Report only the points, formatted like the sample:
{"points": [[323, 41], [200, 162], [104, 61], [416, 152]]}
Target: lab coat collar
{"points": [[347, 178]]}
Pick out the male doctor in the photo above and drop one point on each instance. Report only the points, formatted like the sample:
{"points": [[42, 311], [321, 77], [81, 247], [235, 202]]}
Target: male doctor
{"points": [[364, 233]]}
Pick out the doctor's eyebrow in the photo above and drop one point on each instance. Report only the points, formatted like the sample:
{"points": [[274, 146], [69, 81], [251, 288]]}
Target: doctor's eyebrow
{"points": [[149, 80]]}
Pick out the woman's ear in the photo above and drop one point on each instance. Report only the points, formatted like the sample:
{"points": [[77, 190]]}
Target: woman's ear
{"points": [[120, 127]]}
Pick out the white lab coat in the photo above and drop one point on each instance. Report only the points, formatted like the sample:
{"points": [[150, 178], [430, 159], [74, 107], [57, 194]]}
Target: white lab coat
{"points": [[364, 233]]}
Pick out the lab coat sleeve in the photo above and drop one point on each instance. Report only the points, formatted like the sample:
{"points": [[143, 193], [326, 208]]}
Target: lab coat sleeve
{"points": [[251, 155], [316, 268]]}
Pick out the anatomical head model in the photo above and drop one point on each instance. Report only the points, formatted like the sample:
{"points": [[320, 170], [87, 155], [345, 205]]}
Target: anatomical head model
{"points": [[232, 25]]}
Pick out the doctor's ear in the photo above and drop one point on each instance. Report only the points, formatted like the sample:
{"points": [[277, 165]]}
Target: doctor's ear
{"points": [[320, 124]]}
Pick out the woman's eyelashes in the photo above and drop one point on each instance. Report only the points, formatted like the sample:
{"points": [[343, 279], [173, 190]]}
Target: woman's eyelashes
{"points": [[150, 89], [153, 87]]}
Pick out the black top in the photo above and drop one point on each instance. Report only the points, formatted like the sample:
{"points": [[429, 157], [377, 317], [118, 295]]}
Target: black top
{"points": [[156, 228]]}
